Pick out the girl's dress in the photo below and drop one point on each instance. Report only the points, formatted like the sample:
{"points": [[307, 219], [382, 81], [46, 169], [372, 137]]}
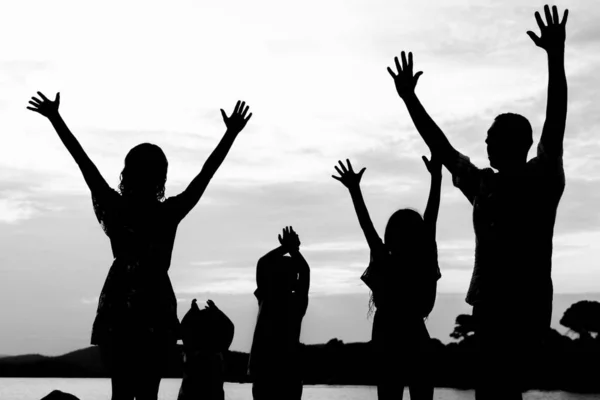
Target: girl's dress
{"points": [[137, 303], [399, 336]]}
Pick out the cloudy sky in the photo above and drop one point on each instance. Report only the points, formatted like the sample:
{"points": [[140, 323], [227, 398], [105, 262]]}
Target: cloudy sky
{"points": [[314, 74]]}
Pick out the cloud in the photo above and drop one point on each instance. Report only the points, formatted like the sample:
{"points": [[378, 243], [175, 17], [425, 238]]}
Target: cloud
{"points": [[90, 301], [15, 210]]}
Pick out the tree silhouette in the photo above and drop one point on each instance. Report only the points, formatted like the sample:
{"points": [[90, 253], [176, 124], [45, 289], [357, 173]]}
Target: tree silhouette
{"points": [[465, 327], [583, 318]]}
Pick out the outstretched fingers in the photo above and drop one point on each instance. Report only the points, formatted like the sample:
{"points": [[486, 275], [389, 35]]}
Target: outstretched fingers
{"points": [[391, 72], [549, 20], [540, 22], [339, 172], [534, 37], [404, 62], [343, 167], [398, 67], [349, 166], [42, 96], [565, 16], [555, 17]]}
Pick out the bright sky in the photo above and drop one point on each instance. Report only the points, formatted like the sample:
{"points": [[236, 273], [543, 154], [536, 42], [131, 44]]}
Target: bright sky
{"points": [[314, 74]]}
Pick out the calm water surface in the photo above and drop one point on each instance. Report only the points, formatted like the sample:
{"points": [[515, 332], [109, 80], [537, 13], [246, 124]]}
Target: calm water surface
{"points": [[99, 389]]}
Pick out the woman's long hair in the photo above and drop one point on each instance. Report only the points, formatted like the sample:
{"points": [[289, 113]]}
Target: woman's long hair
{"points": [[412, 252], [145, 172]]}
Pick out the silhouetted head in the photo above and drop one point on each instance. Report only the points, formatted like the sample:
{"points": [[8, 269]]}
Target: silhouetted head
{"points": [[508, 141], [284, 276], [413, 256], [206, 330], [404, 232], [145, 173]]}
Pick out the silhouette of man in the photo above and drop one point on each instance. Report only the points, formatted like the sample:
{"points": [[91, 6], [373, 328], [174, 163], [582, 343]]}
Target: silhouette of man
{"points": [[514, 210]]}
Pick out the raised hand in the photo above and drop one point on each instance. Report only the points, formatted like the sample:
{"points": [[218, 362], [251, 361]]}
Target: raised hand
{"points": [[348, 177], [46, 107], [552, 35], [404, 79], [210, 305], [237, 121], [434, 166], [289, 240]]}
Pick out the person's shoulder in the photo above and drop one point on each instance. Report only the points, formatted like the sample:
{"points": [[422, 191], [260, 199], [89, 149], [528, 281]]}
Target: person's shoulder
{"points": [[548, 168], [488, 172]]}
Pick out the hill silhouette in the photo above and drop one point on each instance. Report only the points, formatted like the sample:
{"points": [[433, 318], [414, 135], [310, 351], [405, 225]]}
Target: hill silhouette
{"points": [[568, 363]]}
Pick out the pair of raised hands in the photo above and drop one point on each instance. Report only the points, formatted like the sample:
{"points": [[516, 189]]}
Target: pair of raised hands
{"points": [[351, 179], [234, 123], [289, 239], [552, 39]]}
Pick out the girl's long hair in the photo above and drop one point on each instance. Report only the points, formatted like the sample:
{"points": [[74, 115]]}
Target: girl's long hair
{"points": [[412, 252], [145, 172]]}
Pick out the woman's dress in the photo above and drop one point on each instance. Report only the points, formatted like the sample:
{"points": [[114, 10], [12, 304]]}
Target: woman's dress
{"points": [[137, 302]]}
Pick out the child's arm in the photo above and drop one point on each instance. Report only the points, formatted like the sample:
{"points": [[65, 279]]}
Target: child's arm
{"points": [[303, 272], [192, 194], [288, 242], [433, 203], [49, 109], [351, 180]]}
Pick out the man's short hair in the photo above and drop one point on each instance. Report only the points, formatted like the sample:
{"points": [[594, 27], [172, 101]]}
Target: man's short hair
{"points": [[517, 126]]}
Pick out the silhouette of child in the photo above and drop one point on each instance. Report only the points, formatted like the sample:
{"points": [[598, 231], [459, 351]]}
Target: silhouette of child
{"points": [[207, 335], [402, 276], [282, 294]]}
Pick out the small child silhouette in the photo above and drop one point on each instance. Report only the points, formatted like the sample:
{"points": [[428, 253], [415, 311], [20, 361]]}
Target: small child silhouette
{"points": [[282, 294], [207, 335]]}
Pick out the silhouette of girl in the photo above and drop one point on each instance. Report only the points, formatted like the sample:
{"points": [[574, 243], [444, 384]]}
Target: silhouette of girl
{"points": [[402, 276], [136, 323], [282, 293]]}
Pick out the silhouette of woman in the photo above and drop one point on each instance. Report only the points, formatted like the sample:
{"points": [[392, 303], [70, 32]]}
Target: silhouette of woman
{"points": [[136, 322], [282, 293], [402, 276]]}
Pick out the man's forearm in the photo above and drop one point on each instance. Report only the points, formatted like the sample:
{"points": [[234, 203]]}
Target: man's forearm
{"points": [[427, 128], [556, 110]]}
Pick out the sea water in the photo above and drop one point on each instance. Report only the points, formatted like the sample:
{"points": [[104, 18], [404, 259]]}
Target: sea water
{"points": [[99, 389]]}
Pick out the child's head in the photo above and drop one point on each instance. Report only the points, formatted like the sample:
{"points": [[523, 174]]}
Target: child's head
{"points": [[413, 254], [207, 330], [145, 172], [404, 232], [285, 275]]}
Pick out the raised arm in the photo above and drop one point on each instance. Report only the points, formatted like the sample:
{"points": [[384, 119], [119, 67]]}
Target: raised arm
{"points": [[289, 242], [234, 123], [553, 41], [433, 202], [433, 136], [303, 272], [351, 180], [49, 109]]}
